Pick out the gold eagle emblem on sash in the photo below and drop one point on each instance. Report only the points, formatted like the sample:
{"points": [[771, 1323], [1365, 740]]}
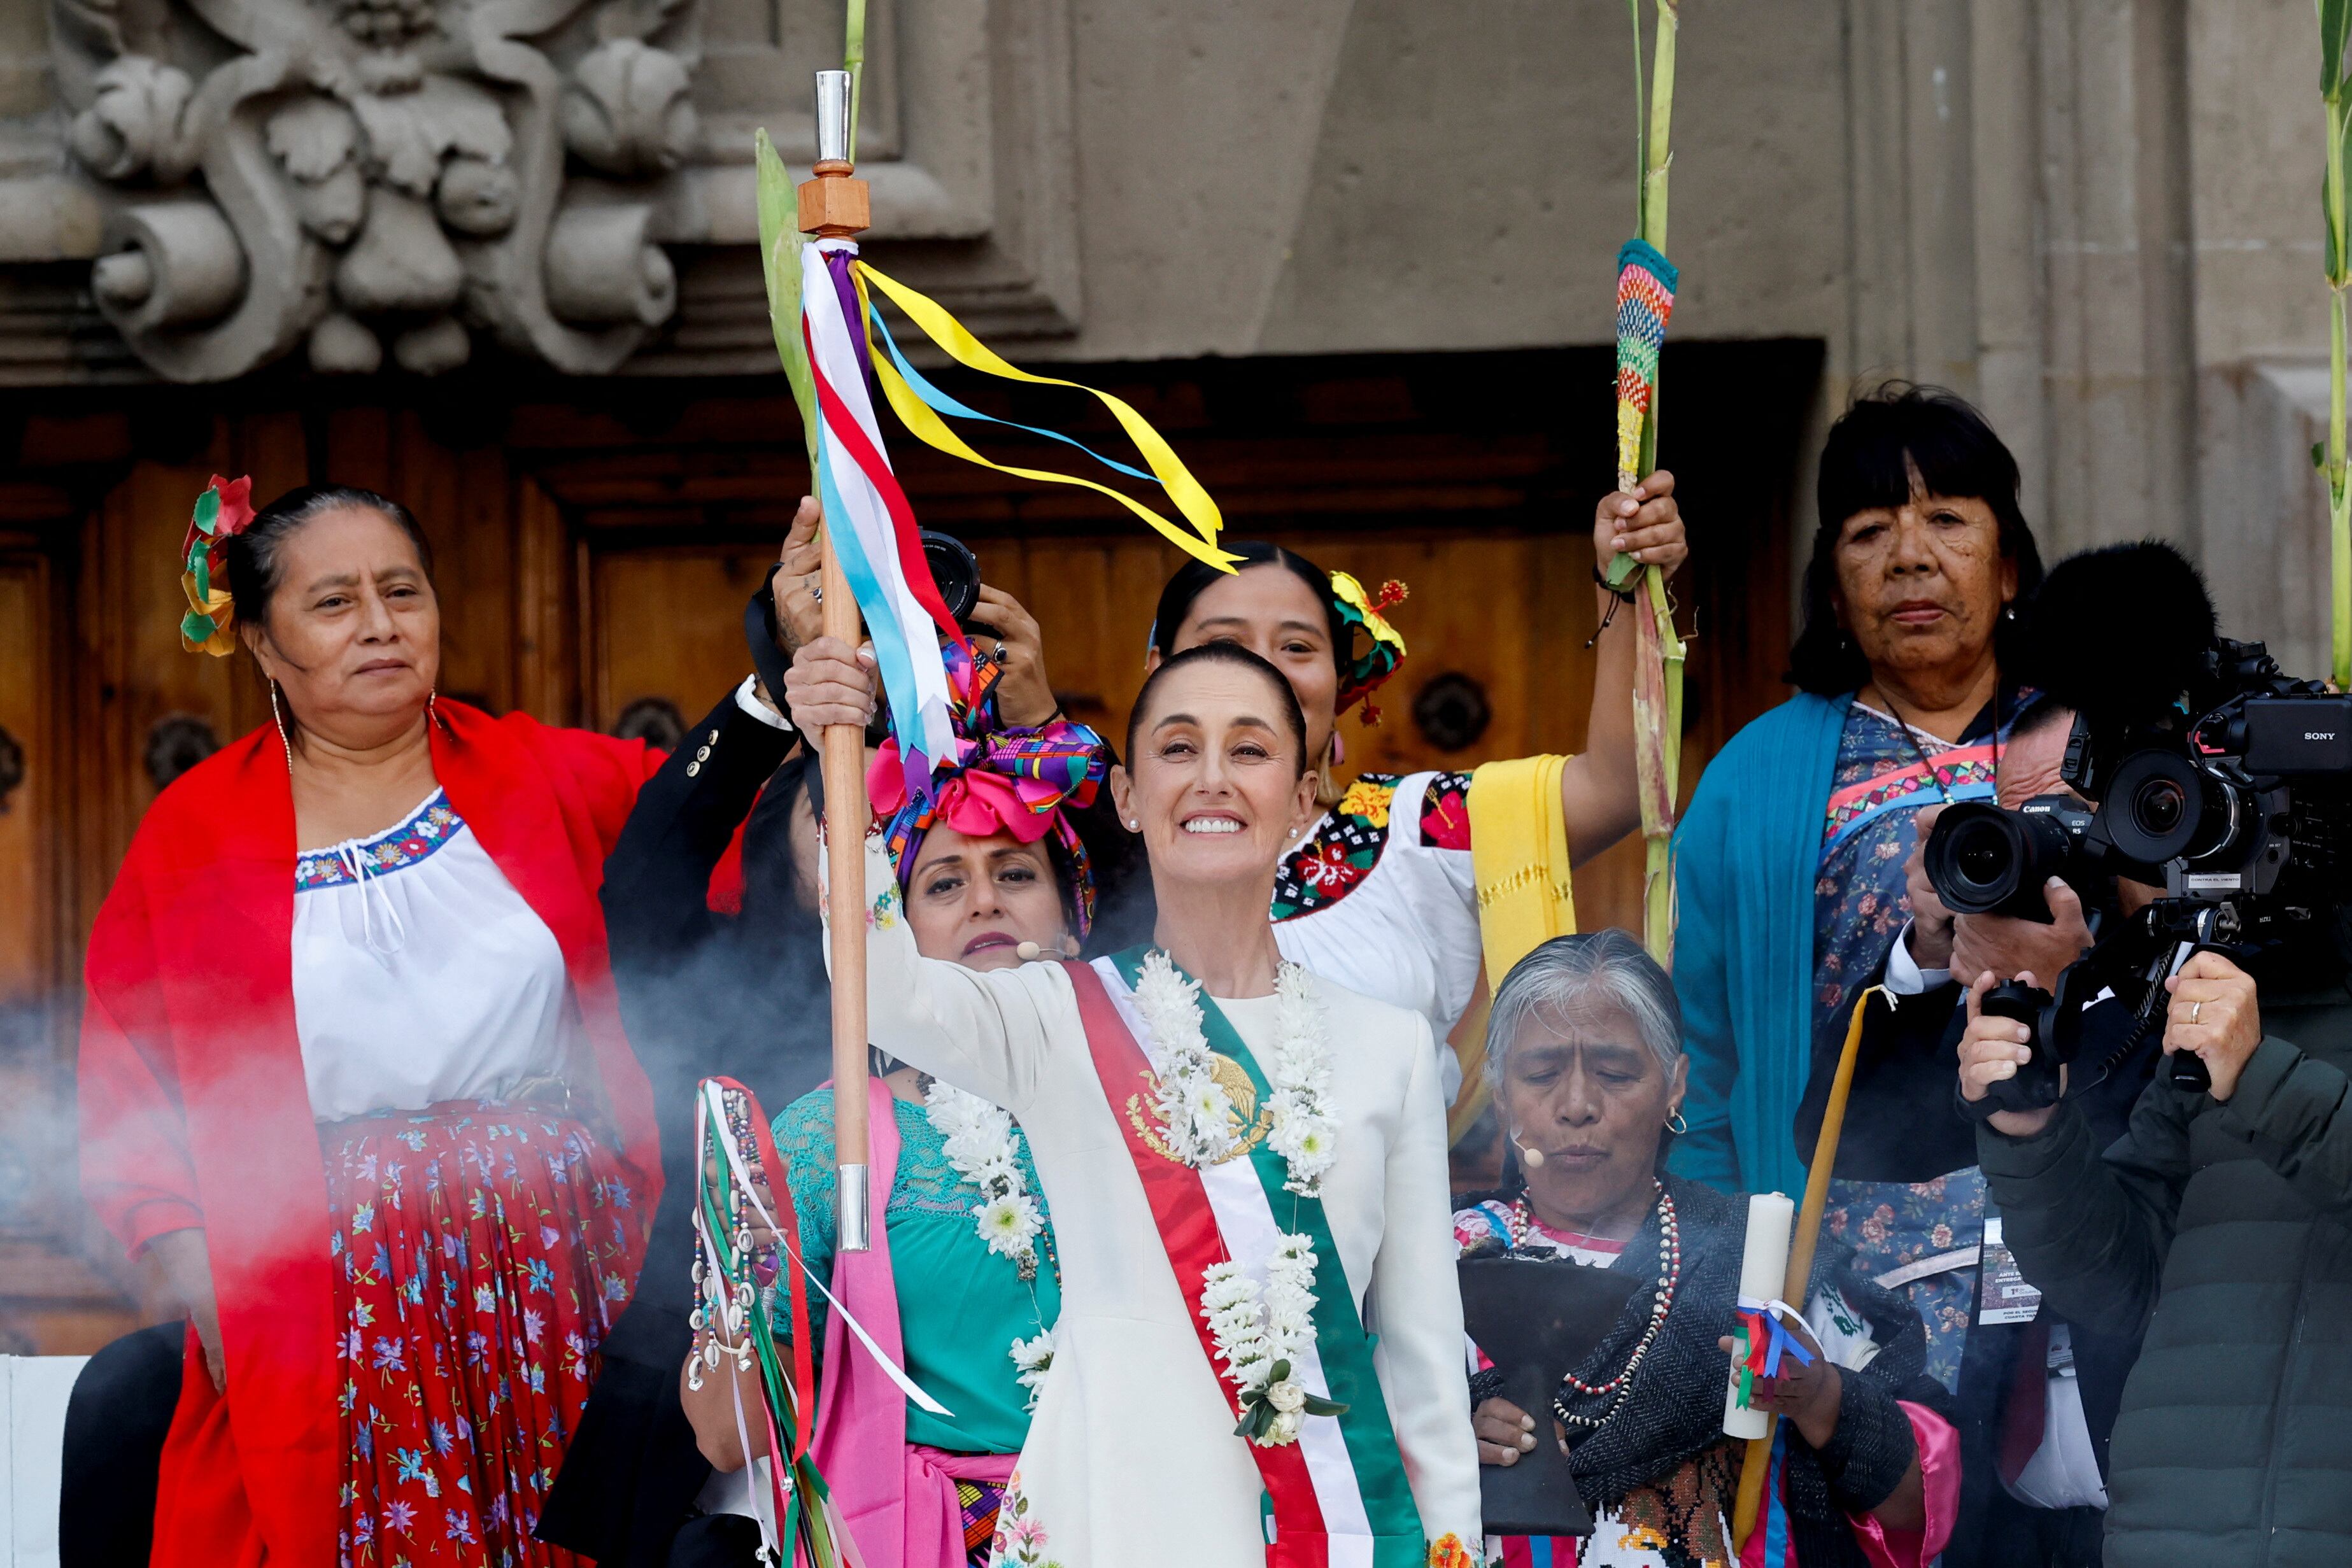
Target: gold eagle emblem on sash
{"points": [[1249, 1124]]}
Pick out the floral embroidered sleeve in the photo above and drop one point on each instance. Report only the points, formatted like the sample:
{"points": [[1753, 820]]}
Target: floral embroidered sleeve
{"points": [[1445, 812]]}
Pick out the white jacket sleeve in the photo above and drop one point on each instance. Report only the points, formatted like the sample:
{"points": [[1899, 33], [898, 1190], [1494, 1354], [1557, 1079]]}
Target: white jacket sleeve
{"points": [[1416, 1301], [983, 1033]]}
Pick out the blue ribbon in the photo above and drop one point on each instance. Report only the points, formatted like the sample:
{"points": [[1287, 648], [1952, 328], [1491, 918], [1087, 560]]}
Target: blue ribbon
{"points": [[1776, 1338], [949, 406]]}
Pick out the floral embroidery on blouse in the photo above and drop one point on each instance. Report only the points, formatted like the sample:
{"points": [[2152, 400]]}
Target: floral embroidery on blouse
{"points": [[435, 824], [1020, 1540], [1445, 812], [1341, 851], [1861, 898]]}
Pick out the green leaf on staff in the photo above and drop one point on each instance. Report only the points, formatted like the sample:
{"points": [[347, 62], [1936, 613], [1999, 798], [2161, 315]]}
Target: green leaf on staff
{"points": [[2334, 27], [779, 259]]}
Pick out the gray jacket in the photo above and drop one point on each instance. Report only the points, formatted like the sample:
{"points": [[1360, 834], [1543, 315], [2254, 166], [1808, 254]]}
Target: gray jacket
{"points": [[2222, 1229]]}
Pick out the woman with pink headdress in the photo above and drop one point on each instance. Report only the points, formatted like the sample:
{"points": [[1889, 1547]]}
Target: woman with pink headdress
{"points": [[961, 1286]]}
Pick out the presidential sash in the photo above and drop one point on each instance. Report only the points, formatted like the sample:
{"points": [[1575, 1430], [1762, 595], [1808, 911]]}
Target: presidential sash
{"points": [[1338, 1496]]}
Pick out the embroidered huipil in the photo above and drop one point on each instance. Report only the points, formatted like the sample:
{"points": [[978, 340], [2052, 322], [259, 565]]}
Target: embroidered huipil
{"points": [[420, 975], [1379, 896], [960, 1306]]}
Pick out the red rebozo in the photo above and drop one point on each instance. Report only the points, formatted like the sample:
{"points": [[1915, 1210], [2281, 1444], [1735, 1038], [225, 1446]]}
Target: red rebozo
{"points": [[195, 1112]]}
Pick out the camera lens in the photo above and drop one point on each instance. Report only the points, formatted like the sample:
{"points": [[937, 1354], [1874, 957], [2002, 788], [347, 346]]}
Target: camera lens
{"points": [[956, 571], [2157, 809], [1979, 860], [2162, 807]]}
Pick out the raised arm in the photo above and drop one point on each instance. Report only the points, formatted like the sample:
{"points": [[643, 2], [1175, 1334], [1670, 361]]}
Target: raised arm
{"points": [[1599, 792], [983, 1033], [1417, 1313]]}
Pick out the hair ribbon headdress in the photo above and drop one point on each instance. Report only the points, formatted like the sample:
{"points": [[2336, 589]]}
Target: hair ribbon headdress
{"points": [[1019, 781], [1363, 674], [223, 512]]}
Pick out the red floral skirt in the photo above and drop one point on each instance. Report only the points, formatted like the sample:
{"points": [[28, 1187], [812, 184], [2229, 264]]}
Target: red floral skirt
{"points": [[481, 1250]]}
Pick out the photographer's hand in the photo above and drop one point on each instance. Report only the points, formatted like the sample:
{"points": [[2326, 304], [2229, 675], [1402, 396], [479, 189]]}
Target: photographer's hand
{"points": [[1024, 697], [2214, 1013], [800, 620], [2009, 946], [1931, 923], [1994, 1049]]}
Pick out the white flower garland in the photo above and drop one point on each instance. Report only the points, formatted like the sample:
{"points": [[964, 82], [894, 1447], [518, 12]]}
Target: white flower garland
{"points": [[978, 1144], [1260, 1331], [1304, 1133]]}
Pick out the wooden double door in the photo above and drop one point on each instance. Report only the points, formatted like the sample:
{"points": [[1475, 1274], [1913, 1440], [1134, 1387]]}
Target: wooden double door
{"points": [[594, 547]]}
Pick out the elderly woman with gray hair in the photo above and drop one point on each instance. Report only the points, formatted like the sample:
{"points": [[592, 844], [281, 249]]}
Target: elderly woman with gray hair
{"points": [[1584, 1051]]}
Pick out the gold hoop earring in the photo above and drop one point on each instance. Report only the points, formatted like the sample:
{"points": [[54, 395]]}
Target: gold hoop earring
{"points": [[284, 738], [1675, 1125]]}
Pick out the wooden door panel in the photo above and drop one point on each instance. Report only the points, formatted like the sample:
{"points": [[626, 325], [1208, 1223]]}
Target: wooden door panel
{"points": [[667, 622]]}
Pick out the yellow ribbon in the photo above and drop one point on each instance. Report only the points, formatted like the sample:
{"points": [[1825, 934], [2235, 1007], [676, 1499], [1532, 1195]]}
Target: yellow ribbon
{"points": [[1186, 492]]}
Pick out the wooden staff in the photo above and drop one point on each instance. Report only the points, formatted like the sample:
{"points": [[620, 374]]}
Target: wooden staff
{"points": [[836, 205], [1759, 1456]]}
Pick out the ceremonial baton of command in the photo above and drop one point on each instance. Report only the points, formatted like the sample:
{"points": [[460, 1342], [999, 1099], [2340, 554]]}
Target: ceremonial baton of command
{"points": [[835, 205]]}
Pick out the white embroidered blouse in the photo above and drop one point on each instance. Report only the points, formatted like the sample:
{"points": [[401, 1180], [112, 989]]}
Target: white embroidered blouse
{"points": [[420, 974]]}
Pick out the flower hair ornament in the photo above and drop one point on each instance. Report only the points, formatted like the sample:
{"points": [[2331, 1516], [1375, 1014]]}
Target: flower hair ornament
{"points": [[223, 512], [1017, 782], [1363, 674]]}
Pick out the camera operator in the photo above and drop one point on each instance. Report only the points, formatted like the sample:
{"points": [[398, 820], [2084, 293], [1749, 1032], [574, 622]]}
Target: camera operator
{"points": [[2036, 1399], [2216, 1224]]}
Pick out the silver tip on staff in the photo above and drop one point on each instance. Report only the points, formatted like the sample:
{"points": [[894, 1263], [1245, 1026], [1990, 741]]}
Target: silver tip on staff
{"points": [[833, 117], [850, 1228]]}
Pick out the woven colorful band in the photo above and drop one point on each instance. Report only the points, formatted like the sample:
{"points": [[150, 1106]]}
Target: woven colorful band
{"points": [[1019, 781], [1645, 298]]}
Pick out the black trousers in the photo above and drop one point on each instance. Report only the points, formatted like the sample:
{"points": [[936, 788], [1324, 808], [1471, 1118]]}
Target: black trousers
{"points": [[116, 1419]]}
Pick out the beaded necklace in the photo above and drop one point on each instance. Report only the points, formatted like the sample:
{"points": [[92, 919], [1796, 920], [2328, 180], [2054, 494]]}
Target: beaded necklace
{"points": [[1520, 1221]]}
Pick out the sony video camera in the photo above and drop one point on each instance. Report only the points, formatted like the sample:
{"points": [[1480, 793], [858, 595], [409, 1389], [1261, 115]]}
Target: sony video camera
{"points": [[2195, 765]]}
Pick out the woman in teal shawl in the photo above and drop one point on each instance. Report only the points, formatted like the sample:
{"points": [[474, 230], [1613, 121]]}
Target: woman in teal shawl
{"points": [[1790, 860]]}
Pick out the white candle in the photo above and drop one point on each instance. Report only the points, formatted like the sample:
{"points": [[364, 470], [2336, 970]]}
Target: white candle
{"points": [[1763, 1270]]}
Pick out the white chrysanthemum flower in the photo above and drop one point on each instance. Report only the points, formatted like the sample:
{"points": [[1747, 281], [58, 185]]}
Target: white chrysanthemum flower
{"points": [[1007, 1223]]}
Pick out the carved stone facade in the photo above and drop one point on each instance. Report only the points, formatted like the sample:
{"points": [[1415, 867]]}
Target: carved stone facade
{"points": [[379, 183]]}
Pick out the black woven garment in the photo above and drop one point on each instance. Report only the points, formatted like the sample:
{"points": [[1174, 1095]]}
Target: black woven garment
{"points": [[1673, 1409]]}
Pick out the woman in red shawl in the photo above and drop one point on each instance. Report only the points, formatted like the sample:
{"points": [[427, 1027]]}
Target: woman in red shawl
{"points": [[351, 1071]]}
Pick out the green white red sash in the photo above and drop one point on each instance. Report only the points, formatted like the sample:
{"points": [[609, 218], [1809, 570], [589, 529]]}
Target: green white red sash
{"points": [[1338, 1495]]}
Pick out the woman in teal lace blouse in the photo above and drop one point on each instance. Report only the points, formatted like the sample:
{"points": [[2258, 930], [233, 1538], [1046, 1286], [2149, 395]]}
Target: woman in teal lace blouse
{"points": [[961, 1286]]}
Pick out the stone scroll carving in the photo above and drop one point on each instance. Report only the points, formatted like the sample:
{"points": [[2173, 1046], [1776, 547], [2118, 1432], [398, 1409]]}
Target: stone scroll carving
{"points": [[365, 180]]}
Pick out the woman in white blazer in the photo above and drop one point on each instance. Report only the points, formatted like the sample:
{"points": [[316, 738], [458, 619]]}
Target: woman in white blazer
{"points": [[1248, 1241]]}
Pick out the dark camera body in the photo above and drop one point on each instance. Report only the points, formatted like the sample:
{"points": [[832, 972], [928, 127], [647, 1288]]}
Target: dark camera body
{"points": [[2250, 798], [1985, 859], [2235, 798], [956, 571]]}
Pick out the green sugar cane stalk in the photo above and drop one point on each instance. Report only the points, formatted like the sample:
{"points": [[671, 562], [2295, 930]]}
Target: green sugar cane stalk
{"points": [[1658, 663], [780, 261], [2335, 32]]}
